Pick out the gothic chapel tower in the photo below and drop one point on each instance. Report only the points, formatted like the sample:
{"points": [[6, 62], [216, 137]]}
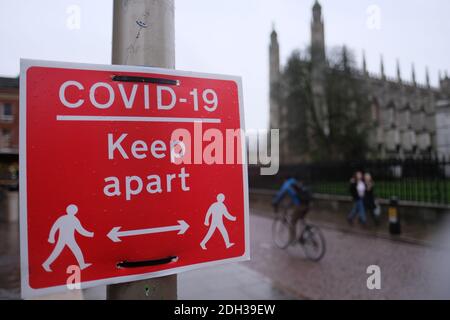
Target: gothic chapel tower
{"points": [[274, 75], [319, 64]]}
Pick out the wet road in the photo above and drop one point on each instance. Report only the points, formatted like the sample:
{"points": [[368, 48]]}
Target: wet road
{"points": [[408, 271]]}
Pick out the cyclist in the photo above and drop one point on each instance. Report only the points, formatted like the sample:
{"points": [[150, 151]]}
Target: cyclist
{"points": [[300, 197]]}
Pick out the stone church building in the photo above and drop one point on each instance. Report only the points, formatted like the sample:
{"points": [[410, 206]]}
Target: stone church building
{"points": [[404, 115]]}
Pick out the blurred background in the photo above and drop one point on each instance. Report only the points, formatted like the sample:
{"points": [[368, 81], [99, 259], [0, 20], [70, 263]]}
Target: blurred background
{"points": [[352, 86]]}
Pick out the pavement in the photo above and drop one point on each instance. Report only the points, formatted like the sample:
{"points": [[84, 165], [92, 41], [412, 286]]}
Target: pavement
{"points": [[408, 270], [9, 261], [227, 282]]}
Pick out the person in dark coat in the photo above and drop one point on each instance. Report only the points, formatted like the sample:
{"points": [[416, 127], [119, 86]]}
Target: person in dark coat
{"points": [[357, 191], [369, 197]]}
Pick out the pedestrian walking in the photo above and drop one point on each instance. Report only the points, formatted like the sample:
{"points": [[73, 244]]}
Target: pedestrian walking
{"points": [[369, 198], [357, 191]]}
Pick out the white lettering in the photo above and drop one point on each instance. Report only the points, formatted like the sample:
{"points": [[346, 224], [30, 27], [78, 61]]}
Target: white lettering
{"points": [[137, 147], [155, 185], [177, 155], [158, 146], [129, 191], [159, 93], [112, 189], [128, 101], [62, 95], [94, 100], [116, 145]]}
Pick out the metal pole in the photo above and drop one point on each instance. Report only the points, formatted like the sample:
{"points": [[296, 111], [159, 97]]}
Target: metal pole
{"points": [[144, 34]]}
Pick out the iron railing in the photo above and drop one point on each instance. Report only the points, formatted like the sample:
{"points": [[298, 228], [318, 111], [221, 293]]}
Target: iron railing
{"points": [[425, 180]]}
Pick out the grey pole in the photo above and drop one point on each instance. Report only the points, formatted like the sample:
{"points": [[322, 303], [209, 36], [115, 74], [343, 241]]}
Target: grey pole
{"points": [[144, 34]]}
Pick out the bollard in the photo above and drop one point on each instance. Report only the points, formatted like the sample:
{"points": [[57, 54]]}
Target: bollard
{"points": [[394, 217], [13, 206], [9, 206]]}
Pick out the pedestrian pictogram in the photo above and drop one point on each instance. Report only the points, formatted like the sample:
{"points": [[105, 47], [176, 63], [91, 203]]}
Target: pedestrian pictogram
{"points": [[66, 226], [214, 219]]}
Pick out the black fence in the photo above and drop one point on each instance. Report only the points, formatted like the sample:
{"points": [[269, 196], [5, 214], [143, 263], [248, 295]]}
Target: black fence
{"points": [[425, 180]]}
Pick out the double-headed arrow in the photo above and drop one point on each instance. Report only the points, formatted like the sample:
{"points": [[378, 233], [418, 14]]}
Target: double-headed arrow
{"points": [[115, 234]]}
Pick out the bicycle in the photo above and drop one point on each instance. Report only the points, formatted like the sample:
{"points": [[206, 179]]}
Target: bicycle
{"points": [[285, 234]]}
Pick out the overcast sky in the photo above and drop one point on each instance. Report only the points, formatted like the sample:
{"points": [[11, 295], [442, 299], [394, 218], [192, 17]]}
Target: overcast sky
{"points": [[232, 36]]}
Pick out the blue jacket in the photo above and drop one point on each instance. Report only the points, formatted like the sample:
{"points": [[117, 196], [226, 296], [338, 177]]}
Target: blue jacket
{"points": [[288, 188]]}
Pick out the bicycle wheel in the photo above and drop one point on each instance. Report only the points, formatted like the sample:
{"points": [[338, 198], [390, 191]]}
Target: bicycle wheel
{"points": [[313, 243], [281, 232]]}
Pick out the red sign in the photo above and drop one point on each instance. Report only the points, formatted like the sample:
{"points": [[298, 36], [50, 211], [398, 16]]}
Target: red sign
{"points": [[128, 173]]}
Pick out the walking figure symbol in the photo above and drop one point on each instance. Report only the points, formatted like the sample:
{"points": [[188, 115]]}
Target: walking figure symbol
{"points": [[216, 212], [67, 225]]}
